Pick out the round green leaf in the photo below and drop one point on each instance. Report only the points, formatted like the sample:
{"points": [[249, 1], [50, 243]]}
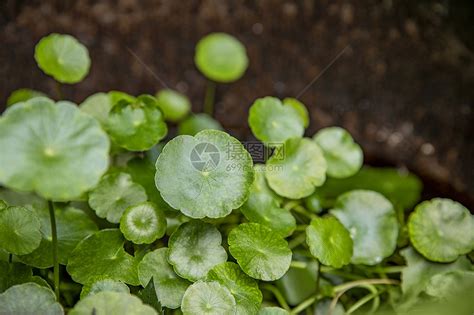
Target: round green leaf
{"points": [[208, 298], [103, 285], [299, 108], [344, 157], [194, 248], [221, 57], [329, 241], [272, 310], [273, 123], [22, 95], [63, 57], [29, 298], [263, 206], [207, 175], [43, 139], [20, 230], [98, 106], [102, 255], [143, 223], [261, 253], [73, 225], [175, 106], [372, 223], [137, 125], [13, 273], [116, 303], [168, 286], [441, 229], [196, 123], [245, 290], [296, 168], [115, 193]]}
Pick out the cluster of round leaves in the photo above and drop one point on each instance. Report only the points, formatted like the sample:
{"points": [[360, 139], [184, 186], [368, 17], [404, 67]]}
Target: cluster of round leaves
{"points": [[194, 222]]}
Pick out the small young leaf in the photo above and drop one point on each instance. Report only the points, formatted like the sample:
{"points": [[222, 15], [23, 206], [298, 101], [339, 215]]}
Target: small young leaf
{"points": [[273, 123], [273, 310], [208, 298], [263, 206], [169, 287], [244, 289], [261, 253], [103, 285], [143, 223], [344, 157], [207, 175], [372, 223], [29, 298], [46, 138], [102, 255], [137, 125], [175, 106], [98, 106], [115, 193], [221, 57], [72, 224], [296, 168], [20, 230], [329, 242], [117, 303], [63, 57], [441, 229], [300, 108], [196, 123], [22, 95], [194, 248]]}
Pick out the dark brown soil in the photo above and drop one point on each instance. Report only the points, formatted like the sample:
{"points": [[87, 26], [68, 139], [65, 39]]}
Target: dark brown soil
{"points": [[404, 87]]}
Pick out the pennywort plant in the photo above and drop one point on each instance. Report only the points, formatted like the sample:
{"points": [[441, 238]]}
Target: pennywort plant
{"points": [[106, 210]]}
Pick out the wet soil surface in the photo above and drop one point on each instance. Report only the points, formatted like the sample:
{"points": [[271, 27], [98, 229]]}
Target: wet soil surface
{"points": [[404, 85]]}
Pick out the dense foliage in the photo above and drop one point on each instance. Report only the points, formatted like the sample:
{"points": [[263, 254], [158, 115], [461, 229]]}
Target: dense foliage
{"points": [[103, 211]]}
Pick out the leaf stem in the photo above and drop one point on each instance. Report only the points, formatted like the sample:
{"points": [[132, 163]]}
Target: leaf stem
{"points": [[277, 294], [209, 98], [297, 241], [318, 279], [55, 247], [10, 258], [363, 301], [59, 92], [305, 304]]}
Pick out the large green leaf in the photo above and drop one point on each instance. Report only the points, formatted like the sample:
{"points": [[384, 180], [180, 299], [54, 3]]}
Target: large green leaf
{"points": [[207, 175], [102, 255], [169, 287], [261, 253], [29, 298], [115, 193], [19, 230], [264, 206], [208, 298], [72, 226], [196, 123], [194, 248], [441, 229], [372, 223], [116, 303], [175, 106], [296, 168], [329, 241], [44, 138], [273, 123], [143, 223], [247, 295], [63, 57], [136, 125], [221, 57], [344, 157]]}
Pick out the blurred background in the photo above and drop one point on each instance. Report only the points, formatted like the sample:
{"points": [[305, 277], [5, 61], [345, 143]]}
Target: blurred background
{"points": [[404, 86]]}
